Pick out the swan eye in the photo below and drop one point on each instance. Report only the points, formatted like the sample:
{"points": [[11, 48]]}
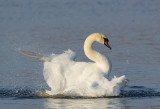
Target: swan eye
{"points": [[106, 39]]}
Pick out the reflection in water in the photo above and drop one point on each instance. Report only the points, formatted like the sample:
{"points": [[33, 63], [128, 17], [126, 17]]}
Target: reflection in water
{"points": [[98, 103]]}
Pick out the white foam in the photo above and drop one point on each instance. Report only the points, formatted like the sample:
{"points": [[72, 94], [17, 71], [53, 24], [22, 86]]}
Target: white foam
{"points": [[65, 76]]}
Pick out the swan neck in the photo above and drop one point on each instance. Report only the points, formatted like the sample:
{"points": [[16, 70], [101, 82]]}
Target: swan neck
{"points": [[89, 52], [95, 56]]}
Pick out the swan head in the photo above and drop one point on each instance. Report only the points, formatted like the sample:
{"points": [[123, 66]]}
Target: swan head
{"points": [[101, 38]]}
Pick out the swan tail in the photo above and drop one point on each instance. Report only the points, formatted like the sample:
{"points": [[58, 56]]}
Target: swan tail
{"points": [[31, 54]]}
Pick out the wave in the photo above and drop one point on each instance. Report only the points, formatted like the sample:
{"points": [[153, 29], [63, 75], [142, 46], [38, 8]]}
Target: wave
{"points": [[139, 91], [130, 91]]}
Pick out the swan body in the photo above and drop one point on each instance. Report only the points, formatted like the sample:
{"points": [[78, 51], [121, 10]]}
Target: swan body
{"points": [[65, 76]]}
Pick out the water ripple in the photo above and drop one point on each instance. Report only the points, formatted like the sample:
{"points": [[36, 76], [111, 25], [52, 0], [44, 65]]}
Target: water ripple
{"points": [[130, 91]]}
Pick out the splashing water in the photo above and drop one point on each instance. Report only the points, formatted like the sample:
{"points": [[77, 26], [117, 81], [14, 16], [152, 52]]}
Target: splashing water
{"points": [[67, 77]]}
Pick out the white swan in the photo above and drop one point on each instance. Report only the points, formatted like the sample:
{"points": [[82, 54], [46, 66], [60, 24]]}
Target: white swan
{"points": [[70, 78]]}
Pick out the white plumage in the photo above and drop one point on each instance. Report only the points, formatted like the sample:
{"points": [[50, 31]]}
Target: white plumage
{"points": [[65, 76]]}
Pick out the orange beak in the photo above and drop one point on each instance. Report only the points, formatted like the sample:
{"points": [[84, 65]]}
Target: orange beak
{"points": [[106, 43]]}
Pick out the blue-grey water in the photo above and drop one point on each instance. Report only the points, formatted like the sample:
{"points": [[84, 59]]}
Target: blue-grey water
{"points": [[52, 26]]}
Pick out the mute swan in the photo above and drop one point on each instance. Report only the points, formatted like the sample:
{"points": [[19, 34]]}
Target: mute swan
{"points": [[67, 77], [70, 78]]}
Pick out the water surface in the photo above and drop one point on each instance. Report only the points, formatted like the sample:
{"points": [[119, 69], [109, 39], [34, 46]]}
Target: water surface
{"points": [[52, 26]]}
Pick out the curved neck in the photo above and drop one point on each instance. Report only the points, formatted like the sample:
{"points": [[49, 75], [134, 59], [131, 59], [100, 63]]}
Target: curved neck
{"points": [[89, 52], [95, 56]]}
